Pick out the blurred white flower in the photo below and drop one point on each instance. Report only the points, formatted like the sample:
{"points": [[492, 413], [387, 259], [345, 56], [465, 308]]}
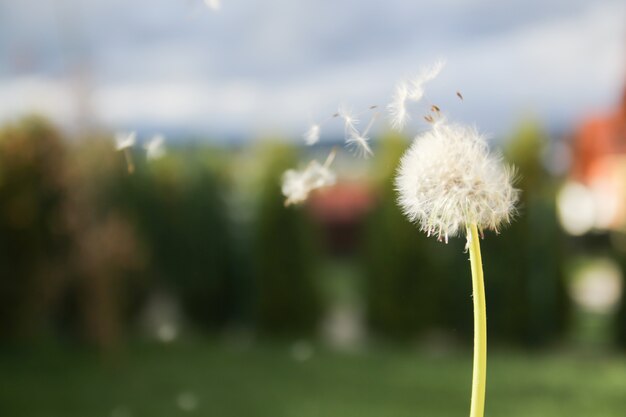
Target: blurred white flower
{"points": [[125, 140], [213, 4], [448, 179], [312, 136], [297, 185], [155, 148]]}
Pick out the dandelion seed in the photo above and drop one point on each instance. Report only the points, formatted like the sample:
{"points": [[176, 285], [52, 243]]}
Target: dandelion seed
{"points": [[435, 108], [312, 136], [397, 107], [213, 4], [448, 180], [297, 185], [155, 148], [359, 142], [124, 140], [416, 90], [349, 119], [459, 95]]}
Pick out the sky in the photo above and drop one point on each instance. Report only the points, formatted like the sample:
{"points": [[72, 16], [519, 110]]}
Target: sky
{"points": [[258, 68]]}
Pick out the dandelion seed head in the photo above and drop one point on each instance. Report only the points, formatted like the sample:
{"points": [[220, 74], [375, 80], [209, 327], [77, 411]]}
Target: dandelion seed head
{"points": [[125, 140], [312, 136], [155, 148], [297, 185], [448, 180]]}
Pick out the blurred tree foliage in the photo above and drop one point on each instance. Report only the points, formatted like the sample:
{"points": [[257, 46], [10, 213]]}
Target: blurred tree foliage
{"points": [[178, 205], [414, 283], [34, 239], [619, 325], [285, 255], [524, 266]]}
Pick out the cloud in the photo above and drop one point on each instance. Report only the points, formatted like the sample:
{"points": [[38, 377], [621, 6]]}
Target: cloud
{"points": [[274, 65]]}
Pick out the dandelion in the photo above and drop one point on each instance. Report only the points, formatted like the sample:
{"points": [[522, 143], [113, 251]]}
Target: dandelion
{"points": [[297, 185], [155, 148], [123, 142], [312, 136], [448, 182]]}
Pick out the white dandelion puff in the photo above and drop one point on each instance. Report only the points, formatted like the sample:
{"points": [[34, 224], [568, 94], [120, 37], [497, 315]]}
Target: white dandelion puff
{"points": [[213, 4], [297, 185], [125, 140], [397, 107], [448, 180], [155, 148], [416, 84], [312, 136]]}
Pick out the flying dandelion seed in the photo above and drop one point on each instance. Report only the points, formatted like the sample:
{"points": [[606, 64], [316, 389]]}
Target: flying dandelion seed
{"points": [[297, 185], [413, 91], [312, 136], [155, 148], [397, 107], [350, 120], [416, 89], [359, 142], [213, 4], [123, 142]]}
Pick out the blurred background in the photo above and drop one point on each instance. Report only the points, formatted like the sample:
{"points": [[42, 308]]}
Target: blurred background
{"points": [[183, 286]]}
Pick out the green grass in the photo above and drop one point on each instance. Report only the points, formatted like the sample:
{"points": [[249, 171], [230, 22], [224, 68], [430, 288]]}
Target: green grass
{"points": [[265, 381]]}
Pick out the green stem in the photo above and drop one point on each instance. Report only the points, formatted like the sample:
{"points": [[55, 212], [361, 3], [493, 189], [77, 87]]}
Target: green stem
{"points": [[479, 378]]}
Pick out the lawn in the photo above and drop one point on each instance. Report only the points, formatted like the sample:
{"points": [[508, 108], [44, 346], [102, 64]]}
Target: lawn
{"points": [[225, 380]]}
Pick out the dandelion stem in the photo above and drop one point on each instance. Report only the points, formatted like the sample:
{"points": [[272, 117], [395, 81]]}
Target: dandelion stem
{"points": [[479, 378]]}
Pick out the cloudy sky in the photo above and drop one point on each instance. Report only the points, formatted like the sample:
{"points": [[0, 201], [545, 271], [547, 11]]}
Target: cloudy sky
{"points": [[271, 67]]}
